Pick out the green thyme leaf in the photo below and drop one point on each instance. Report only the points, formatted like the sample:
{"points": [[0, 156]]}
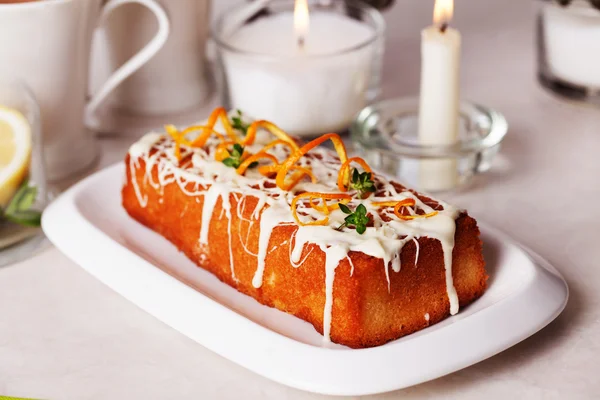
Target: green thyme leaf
{"points": [[344, 208], [362, 183], [231, 162], [237, 151], [358, 218], [236, 157], [237, 123], [361, 209]]}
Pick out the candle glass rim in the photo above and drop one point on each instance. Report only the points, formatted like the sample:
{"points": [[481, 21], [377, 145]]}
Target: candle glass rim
{"points": [[378, 26], [370, 116]]}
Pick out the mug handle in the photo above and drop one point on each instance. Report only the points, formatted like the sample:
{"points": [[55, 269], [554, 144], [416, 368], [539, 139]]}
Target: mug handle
{"points": [[135, 62]]}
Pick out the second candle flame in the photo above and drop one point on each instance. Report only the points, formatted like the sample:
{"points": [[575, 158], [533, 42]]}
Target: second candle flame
{"points": [[442, 13], [301, 21]]}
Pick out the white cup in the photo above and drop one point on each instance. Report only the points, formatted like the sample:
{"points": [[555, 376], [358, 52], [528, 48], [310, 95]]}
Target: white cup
{"points": [[48, 45], [177, 78]]}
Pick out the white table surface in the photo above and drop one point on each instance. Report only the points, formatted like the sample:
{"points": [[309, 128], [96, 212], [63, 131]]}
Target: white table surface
{"points": [[64, 335]]}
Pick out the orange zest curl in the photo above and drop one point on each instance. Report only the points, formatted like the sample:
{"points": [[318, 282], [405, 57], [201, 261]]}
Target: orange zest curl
{"points": [[255, 157], [271, 127], [300, 173], [327, 208], [343, 181], [207, 130], [279, 141], [398, 208], [201, 139], [345, 198], [178, 138], [395, 203], [222, 150], [296, 155], [267, 170]]}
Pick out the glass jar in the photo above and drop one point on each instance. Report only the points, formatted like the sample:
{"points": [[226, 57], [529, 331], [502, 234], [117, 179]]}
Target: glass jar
{"points": [[568, 40], [23, 191], [308, 82]]}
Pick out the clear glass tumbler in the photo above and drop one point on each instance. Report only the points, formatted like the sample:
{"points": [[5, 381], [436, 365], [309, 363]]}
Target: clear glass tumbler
{"points": [[309, 77], [23, 190], [568, 44]]}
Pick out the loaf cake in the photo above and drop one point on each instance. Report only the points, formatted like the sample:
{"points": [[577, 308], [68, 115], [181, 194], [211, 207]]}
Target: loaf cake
{"points": [[305, 229]]}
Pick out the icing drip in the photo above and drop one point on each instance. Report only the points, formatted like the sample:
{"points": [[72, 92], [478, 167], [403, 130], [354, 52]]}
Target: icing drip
{"points": [[351, 265], [143, 200], [448, 246], [227, 208], [210, 199], [418, 248], [211, 196], [269, 220], [199, 174], [333, 256]]}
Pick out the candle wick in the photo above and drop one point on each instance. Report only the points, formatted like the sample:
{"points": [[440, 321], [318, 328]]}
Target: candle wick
{"points": [[301, 41], [443, 27]]}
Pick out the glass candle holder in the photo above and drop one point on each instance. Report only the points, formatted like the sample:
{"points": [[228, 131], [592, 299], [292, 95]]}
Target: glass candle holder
{"points": [[23, 191], [307, 84], [568, 40], [387, 135]]}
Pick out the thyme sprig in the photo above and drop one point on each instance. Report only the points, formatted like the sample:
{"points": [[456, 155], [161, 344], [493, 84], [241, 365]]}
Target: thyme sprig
{"points": [[358, 218]]}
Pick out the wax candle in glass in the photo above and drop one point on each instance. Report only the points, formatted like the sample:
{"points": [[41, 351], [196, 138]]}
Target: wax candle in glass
{"points": [[569, 48], [310, 68], [439, 103], [23, 192]]}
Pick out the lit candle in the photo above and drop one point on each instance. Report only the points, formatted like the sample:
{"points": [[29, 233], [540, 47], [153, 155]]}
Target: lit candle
{"points": [[439, 99], [308, 74]]}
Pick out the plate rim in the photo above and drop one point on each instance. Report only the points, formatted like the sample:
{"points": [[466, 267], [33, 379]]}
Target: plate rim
{"points": [[359, 380]]}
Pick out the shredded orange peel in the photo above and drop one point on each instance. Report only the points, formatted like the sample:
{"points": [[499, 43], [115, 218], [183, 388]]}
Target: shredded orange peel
{"points": [[178, 138], [296, 155], [343, 197], [398, 205], [283, 169], [218, 114], [255, 157], [343, 181], [271, 127], [300, 173]]}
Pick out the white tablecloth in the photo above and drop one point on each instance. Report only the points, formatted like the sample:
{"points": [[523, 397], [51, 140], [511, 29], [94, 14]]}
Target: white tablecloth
{"points": [[64, 335]]}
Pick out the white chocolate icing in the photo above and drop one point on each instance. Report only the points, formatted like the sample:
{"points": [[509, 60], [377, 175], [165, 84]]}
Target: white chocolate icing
{"points": [[200, 175]]}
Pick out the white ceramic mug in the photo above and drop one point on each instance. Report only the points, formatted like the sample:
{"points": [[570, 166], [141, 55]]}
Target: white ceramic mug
{"points": [[47, 44], [177, 78]]}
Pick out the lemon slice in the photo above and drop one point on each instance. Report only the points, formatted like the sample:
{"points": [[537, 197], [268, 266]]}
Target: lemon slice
{"points": [[15, 152]]}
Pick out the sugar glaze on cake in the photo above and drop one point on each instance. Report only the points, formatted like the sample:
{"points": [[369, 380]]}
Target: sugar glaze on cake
{"points": [[197, 173]]}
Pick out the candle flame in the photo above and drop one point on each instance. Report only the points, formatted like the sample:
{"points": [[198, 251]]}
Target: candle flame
{"points": [[442, 13], [301, 21]]}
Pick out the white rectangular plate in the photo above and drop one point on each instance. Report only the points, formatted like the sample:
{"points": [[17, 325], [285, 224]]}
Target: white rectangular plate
{"points": [[90, 226]]}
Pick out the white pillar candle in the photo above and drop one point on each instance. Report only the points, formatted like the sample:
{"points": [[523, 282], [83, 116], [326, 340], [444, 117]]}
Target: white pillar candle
{"points": [[313, 87], [572, 40], [439, 98]]}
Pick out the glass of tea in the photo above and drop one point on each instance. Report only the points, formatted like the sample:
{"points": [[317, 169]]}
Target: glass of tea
{"points": [[23, 191]]}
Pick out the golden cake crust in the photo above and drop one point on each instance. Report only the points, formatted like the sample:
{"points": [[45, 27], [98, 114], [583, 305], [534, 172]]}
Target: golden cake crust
{"points": [[364, 312]]}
